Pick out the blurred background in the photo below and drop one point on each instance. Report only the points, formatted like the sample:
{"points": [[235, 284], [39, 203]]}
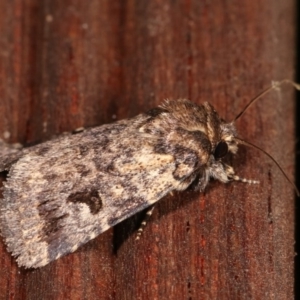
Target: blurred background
{"points": [[297, 168]]}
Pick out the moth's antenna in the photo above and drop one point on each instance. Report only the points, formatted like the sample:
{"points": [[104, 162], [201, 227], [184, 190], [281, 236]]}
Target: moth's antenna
{"points": [[275, 85], [277, 164]]}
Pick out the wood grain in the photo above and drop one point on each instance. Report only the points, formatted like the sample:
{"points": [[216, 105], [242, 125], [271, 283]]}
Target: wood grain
{"points": [[67, 64]]}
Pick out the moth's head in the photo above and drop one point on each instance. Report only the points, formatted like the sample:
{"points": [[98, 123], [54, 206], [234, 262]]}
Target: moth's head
{"points": [[222, 135], [227, 142]]}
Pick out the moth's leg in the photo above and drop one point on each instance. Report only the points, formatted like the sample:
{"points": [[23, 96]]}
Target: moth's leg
{"points": [[238, 178], [143, 224], [231, 176]]}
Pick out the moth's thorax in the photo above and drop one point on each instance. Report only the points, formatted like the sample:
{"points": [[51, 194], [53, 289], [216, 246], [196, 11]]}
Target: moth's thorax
{"points": [[194, 118]]}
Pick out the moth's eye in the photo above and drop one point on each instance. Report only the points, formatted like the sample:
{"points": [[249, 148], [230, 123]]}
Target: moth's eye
{"points": [[221, 150]]}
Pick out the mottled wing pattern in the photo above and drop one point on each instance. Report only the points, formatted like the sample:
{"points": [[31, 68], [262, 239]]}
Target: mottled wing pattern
{"points": [[63, 193]]}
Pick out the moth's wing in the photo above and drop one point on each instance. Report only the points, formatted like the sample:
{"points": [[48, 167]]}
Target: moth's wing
{"points": [[65, 192], [9, 154]]}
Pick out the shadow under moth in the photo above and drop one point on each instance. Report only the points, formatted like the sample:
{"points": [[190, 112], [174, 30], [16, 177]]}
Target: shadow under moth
{"points": [[62, 193]]}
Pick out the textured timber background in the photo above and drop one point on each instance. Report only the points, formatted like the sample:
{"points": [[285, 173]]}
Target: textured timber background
{"points": [[67, 64]]}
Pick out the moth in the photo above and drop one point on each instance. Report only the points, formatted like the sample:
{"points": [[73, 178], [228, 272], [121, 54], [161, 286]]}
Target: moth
{"points": [[62, 193]]}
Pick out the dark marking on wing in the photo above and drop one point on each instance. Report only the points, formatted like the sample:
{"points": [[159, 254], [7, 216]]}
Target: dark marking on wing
{"points": [[52, 226], [82, 170], [53, 220], [42, 150], [90, 198], [83, 150]]}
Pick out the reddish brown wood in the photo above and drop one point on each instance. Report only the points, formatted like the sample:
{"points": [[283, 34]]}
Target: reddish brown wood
{"points": [[66, 64]]}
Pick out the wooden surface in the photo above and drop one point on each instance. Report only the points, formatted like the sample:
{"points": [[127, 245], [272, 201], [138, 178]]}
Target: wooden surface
{"points": [[67, 64]]}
